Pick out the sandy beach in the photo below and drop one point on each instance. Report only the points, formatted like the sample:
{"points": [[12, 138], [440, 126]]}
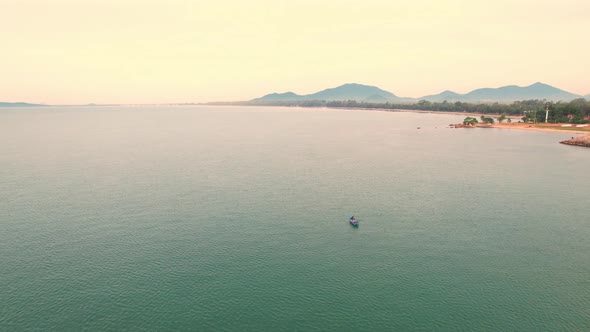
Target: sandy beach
{"points": [[582, 132], [543, 127], [547, 127], [550, 127]]}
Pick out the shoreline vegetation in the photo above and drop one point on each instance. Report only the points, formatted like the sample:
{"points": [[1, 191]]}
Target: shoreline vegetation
{"points": [[576, 111], [488, 122], [571, 117]]}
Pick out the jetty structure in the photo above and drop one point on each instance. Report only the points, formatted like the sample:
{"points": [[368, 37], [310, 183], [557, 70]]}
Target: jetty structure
{"points": [[578, 141]]}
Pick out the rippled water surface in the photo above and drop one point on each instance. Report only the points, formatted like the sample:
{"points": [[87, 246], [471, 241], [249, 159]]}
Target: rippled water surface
{"points": [[218, 218]]}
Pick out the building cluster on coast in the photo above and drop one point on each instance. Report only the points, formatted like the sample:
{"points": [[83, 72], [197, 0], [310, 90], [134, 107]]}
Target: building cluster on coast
{"points": [[574, 129]]}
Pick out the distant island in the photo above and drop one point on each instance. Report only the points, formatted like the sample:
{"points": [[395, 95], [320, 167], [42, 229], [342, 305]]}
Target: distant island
{"points": [[19, 104]]}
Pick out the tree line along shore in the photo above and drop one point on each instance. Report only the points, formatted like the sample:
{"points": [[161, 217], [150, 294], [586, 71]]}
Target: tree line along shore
{"points": [[575, 112], [488, 122], [530, 114]]}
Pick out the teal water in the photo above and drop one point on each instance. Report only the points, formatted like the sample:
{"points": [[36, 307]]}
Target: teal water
{"points": [[219, 218]]}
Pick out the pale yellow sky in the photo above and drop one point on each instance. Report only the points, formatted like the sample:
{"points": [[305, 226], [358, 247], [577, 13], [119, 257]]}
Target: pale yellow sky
{"points": [[147, 51]]}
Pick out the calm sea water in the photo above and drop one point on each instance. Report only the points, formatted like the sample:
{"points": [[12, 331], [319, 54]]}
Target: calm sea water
{"points": [[219, 218]]}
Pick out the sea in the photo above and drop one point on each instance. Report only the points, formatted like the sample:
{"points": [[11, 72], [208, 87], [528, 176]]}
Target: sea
{"points": [[218, 218]]}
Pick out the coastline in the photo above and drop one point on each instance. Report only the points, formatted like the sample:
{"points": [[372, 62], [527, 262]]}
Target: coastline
{"points": [[546, 127], [556, 128], [582, 133], [549, 127]]}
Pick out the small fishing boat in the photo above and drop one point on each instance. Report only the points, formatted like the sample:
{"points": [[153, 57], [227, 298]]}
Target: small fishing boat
{"points": [[353, 221]]}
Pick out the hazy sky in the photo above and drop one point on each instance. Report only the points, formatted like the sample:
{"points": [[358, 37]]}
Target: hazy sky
{"points": [[146, 51]]}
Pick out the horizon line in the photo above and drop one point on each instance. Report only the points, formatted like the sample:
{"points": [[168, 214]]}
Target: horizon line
{"points": [[239, 101]]}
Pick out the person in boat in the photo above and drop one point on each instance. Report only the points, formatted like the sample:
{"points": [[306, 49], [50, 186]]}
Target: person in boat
{"points": [[352, 218]]}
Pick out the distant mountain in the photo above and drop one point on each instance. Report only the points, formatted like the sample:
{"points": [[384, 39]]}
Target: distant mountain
{"points": [[280, 96], [351, 91], [447, 95], [367, 93], [587, 97], [506, 94], [5, 104]]}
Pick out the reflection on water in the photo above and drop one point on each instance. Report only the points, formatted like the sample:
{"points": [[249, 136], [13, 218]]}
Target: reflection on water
{"points": [[232, 218]]}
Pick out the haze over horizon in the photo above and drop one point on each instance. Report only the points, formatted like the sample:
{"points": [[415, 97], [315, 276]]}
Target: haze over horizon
{"points": [[76, 52]]}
